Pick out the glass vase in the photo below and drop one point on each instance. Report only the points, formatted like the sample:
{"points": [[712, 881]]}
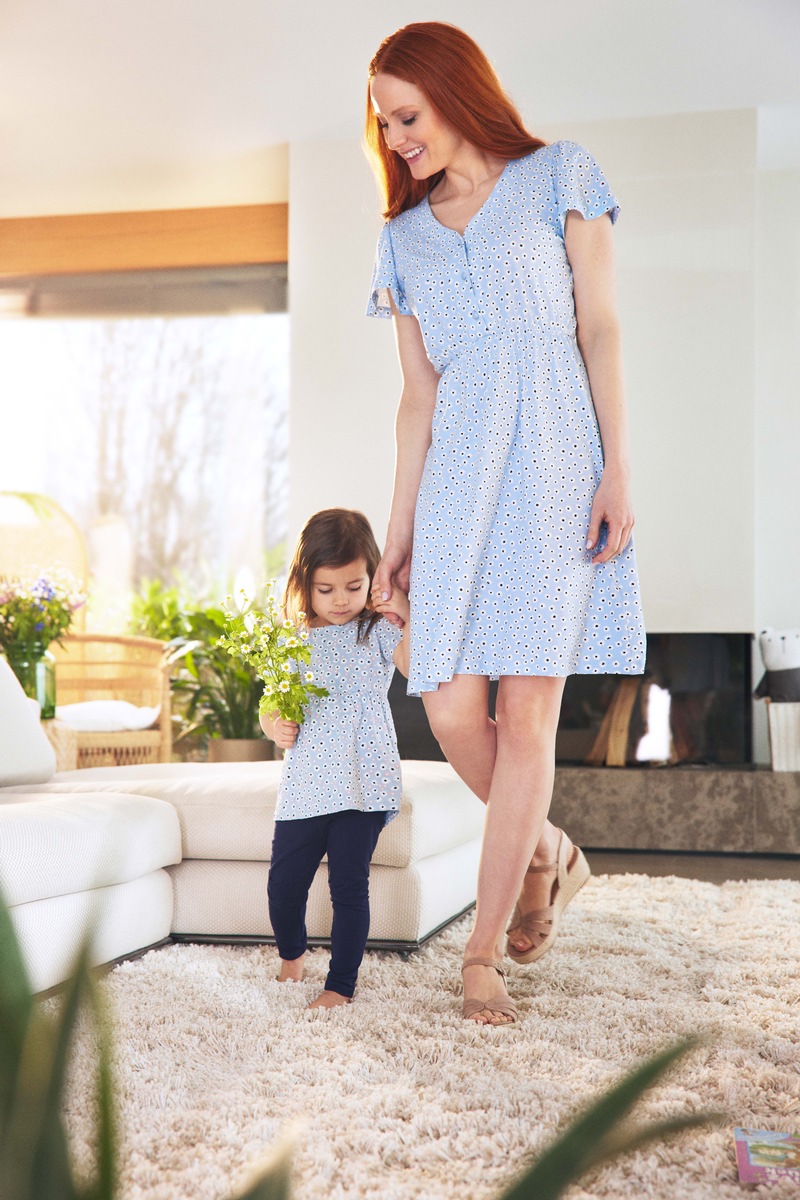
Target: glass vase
{"points": [[35, 668]]}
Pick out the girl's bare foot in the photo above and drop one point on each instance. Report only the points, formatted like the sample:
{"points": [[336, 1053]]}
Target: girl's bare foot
{"points": [[292, 969], [328, 999]]}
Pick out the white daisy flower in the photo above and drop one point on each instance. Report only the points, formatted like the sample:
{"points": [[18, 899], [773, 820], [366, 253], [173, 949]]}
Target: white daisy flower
{"points": [[309, 676], [284, 685]]}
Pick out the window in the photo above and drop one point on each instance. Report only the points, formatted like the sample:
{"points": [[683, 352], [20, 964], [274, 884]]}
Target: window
{"points": [[153, 406]]}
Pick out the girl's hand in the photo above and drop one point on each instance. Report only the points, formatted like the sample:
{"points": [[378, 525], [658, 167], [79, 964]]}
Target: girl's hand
{"points": [[612, 504], [397, 610], [394, 571], [283, 733]]}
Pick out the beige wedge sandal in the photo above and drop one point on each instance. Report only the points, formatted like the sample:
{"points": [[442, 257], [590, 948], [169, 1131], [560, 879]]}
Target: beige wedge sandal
{"points": [[542, 923], [499, 1006]]}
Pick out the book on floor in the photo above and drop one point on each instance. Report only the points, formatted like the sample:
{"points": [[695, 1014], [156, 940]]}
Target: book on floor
{"points": [[764, 1156]]}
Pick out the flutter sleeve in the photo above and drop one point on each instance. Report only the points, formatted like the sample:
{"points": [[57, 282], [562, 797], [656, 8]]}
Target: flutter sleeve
{"points": [[384, 280], [389, 638], [581, 185]]}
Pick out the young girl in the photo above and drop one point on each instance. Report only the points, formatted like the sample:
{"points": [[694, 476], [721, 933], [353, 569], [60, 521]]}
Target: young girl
{"points": [[341, 776]]}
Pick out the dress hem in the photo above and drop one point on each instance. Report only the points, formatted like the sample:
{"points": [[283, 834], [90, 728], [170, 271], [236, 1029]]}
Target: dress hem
{"points": [[432, 685]]}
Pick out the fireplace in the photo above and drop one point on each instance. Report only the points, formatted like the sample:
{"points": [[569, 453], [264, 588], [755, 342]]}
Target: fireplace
{"points": [[692, 707]]}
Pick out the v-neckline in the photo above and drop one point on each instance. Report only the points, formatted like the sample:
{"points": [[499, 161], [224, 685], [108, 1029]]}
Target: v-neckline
{"points": [[477, 213]]}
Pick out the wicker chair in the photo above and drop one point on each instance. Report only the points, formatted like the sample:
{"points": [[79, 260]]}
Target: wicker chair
{"points": [[93, 666]]}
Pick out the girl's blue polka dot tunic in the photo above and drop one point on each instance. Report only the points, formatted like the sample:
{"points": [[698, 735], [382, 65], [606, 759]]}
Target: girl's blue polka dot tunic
{"points": [[501, 582], [346, 754]]}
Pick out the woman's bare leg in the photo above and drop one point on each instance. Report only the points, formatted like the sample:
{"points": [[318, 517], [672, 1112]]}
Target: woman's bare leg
{"points": [[520, 788], [459, 715]]}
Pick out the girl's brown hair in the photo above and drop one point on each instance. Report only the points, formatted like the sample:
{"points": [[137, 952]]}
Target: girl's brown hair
{"points": [[459, 81], [331, 538]]}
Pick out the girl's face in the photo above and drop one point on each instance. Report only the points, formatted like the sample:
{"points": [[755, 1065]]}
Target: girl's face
{"points": [[338, 594], [412, 127]]}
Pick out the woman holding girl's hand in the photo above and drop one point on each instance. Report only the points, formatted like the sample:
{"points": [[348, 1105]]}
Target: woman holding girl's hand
{"points": [[511, 517]]}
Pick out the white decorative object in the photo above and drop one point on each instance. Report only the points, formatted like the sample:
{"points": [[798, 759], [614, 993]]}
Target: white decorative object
{"points": [[106, 716], [26, 755], [780, 649], [784, 736]]}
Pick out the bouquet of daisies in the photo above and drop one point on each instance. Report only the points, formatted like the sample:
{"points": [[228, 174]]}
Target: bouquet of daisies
{"points": [[276, 650]]}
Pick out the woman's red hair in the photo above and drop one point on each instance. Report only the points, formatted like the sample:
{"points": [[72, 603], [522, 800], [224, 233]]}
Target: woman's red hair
{"points": [[459, 81]]}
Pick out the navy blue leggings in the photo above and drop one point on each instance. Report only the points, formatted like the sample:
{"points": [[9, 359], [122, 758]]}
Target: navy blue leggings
{"points": [[349, 839]]}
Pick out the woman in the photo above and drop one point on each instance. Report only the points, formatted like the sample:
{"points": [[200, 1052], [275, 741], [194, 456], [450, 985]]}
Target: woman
{"points": [[510, 517]]}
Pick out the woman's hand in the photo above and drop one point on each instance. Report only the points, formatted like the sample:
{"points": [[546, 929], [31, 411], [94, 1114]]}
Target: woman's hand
{"points": [[396, 610], [283, 733], [394, 571], [612, 504]]}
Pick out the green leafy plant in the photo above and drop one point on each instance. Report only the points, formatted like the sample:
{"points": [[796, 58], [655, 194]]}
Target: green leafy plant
{"points": [[600, 1134], [35, 1050], [160, 611], [218, 695], [276, 650], [213, 696]]}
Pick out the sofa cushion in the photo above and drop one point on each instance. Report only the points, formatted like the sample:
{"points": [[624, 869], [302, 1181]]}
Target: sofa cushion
{"points": [[226, 810], [26, 756], [107, 716], [229, 899], [60, 844], [119, 920]]}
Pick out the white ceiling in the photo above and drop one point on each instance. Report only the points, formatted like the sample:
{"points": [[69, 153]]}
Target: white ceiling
{"points": [[136, 103]]}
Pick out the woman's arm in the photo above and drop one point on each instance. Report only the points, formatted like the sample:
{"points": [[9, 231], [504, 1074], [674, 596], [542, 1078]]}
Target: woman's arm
{"points": [[413, 435], [590, 252]]}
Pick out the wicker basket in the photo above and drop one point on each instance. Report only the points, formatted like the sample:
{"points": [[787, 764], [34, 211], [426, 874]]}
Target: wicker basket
{"points": [[784, 735], [93, 666]]}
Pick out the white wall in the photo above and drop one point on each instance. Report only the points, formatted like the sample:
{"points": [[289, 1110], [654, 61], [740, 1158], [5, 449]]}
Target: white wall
{"points": [[344, 372], [686, 252], [777, 393], [777, 425]]}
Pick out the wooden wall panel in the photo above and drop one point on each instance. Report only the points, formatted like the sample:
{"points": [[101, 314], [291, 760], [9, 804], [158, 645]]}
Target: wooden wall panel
{"points": [[191, 237]]}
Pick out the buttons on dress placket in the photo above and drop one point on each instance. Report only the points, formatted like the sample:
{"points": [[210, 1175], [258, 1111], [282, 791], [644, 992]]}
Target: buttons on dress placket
{"points": [[467, 277]]}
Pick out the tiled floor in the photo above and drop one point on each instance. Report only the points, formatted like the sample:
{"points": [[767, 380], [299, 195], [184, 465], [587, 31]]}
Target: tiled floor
{"points": [[713, 868]]}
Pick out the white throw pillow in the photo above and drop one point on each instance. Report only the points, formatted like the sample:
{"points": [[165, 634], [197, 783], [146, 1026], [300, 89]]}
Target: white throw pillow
{"points": [[106, 716], [26, 756]]}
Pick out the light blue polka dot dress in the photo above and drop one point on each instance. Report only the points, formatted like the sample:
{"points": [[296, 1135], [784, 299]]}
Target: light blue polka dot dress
{"points": [[346, 754], [501, 583]]}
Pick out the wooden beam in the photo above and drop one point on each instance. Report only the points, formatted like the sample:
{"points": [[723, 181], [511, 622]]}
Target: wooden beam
{"points": [[144, 241]]}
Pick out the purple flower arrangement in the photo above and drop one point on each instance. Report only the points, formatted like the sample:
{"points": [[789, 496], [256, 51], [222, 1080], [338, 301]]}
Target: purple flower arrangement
{"points": [[38, 612]]}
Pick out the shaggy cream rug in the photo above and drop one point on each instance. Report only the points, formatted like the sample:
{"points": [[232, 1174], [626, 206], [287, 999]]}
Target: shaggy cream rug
{"points": [[397, 1097]]}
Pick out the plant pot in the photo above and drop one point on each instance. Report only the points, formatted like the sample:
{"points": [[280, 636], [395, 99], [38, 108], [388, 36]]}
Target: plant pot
{"points": [[35, 668], [239, 749]]}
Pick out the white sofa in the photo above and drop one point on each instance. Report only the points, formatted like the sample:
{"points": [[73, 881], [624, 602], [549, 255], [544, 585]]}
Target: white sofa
{"points": [[145, 854]]}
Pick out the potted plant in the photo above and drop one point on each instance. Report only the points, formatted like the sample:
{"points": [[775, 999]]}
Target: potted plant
{"points": [[215, 700], [33, 614], [221, 694]]}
